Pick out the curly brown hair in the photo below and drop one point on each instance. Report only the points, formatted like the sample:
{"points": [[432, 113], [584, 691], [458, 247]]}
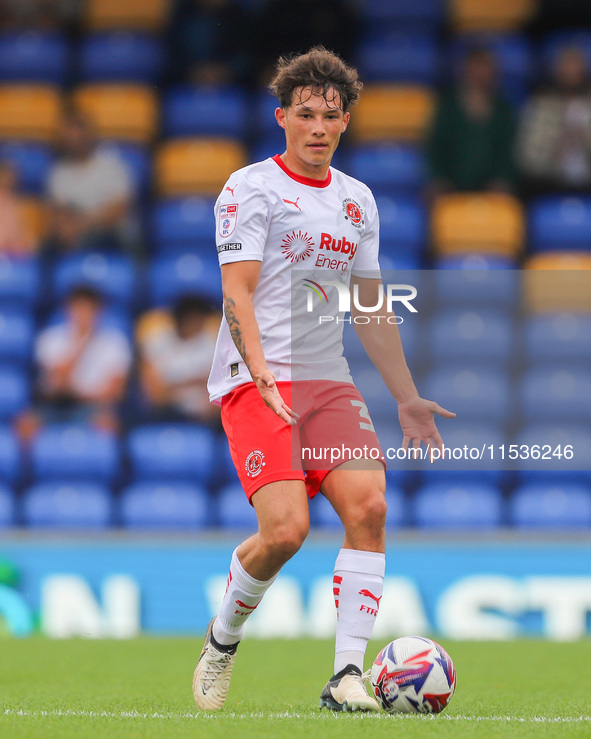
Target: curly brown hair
{"points": [[322, 71]]}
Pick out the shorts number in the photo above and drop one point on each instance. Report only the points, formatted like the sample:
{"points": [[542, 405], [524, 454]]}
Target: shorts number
{"points": [[364, 413]]}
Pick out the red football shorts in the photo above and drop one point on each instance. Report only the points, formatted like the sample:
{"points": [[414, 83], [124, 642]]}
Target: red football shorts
{"points": [[334, 427]]}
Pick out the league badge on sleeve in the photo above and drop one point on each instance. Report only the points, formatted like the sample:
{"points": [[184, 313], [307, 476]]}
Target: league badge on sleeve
{"points": [[227, 220]]}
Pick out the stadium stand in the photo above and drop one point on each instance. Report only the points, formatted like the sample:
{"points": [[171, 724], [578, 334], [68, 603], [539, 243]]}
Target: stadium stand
{"points": [[153, 505], [490, 15], [400, 57], [14, 392], [205, 111], [557, 282], [388, 167], [16, 335], [119, 111], [560, 223], [392, 113], [171, 276], [29, 112], [182, 225], [140, 15], [121, 56], [71, 504], [7, 507], [31, 56], [115, 276], [10, 456], [454, 506], [551, 506]]}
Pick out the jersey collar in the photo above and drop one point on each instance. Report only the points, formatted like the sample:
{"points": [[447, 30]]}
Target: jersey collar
{"points": [[303, 180]]}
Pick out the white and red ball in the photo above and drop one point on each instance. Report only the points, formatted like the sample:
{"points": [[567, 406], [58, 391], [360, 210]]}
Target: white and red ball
{"points": [[413, 675]]}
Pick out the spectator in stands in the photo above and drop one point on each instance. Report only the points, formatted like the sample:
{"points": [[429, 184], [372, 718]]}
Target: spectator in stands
{"points": [[90, 193], [471, 141], [176, 349], [16, 236], [210, 42], [44, 15], [82, 366], [554, 142]]}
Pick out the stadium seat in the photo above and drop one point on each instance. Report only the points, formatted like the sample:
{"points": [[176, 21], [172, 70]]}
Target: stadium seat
{"points": [[205, 111], [14, 392], [126, 112], [392, 113], [16, 335], [233, 509], [378, 13], [560, 224], [10, 455], [172, 451], [403, 224], [557, 41], [35, 216], [183, 224], [388, 166], [121, 56], [29, 112], [490, 223], [490, 15], [456, 506], [140, 15], [32, 162], [72, 451], [138, 160], [68, 505], [114, 275], [196, 166], [476, 282], [376, 395], [556, 393], [20, 281], [323, 515], [551, 506], [172, 276], [476, 335], [563, 338], [7, 507], [400, 57], [155, 505], [33, 56], [557, 282], [474, 393]]}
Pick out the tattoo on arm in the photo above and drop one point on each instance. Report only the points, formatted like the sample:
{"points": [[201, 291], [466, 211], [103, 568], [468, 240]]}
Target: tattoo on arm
{"points": [[234, 326]]}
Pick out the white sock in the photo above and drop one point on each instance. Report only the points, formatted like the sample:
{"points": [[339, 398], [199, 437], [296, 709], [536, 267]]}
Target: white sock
{"points": [[358, 584], [243, 594]]}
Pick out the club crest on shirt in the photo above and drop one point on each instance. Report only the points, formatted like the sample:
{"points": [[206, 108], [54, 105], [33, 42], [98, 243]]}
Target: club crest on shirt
{"points": [[254, 463], [353, 213], [227, 219]]}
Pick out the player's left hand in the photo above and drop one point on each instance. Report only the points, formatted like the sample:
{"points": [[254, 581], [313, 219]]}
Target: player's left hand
{"points": [[416, 417]]}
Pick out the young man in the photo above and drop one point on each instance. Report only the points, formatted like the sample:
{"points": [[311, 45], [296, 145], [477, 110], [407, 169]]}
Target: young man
{"points": [[275, 217]]}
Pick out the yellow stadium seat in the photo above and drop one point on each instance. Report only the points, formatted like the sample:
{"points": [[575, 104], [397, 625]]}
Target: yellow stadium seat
{"points": [[489, 223], [140, 15], [558, 281], [197, 165], [126, 112], [490, 15], [389, 112], [30, 112], [35, 217]]}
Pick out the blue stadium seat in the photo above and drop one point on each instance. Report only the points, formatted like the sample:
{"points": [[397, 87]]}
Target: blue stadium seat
{"points": [[403, 224], [172, 276], [10, 455], [20, 281], [233, 509], [474, 393], [226, 473], [376, 395], [471, 335], [555, 42], [476, 262], [560, 223], [32, 162], [68, 505], [323, 515], [14, 392], [114, 275], [204, 111], [7, 507], [359, 360], [552, 438], [264, 122], [154, 505], [556, 393], [183, 224], [138, 160], [388, 166], [400, 57], [558, 337], [32, 56], [72, 451], [274, 143], [394, 12], [121, 56], [458, 506], [551, 506], [456, 284], [16, 335], [172, 451]]}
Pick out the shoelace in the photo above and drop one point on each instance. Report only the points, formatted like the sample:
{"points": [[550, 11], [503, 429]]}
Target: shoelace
{"points": [[215, 666]]}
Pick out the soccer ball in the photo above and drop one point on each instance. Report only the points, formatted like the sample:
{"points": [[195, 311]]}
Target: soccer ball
{"points": [[413, 675]]}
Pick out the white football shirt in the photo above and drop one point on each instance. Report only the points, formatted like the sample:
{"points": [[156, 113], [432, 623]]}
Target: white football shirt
{"points": [[307, 233]]}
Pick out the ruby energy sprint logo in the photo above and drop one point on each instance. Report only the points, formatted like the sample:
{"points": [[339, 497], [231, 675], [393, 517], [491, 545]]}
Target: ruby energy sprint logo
{"points": [[297, 246]]}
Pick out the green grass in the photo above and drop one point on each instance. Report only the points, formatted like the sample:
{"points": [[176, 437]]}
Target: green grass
{"points": [[142, 689]]}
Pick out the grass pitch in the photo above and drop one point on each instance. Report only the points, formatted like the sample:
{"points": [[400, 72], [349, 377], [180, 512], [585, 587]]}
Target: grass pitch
{"points": [[142, 689]]}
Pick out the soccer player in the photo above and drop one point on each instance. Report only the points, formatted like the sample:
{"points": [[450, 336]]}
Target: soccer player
{"points": [[287, 213]]}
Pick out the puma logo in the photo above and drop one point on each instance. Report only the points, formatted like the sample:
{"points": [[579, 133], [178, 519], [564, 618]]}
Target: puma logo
{"points": [[243, 605], [371, 595], [230, 189], [291, 202]]}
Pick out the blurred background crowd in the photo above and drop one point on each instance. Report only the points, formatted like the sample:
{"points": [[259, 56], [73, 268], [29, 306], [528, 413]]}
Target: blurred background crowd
{"points": [[119, 123]]}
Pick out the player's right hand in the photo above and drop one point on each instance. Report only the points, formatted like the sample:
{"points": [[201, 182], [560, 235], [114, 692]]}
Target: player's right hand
{"points": [[267, 387]]}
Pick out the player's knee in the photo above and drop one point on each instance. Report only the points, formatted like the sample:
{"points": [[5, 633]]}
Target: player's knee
{"points": [[287, 538], [373, 512]]}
